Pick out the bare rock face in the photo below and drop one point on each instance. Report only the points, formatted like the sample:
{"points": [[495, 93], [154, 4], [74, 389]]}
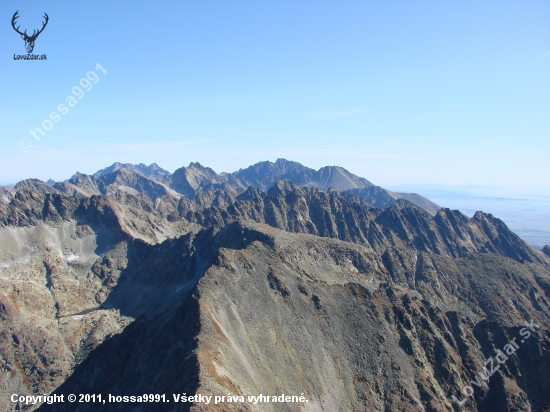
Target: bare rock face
{"points": [[47, 289], [36, 184], [240, 291], [325, 318], [5, 195]]}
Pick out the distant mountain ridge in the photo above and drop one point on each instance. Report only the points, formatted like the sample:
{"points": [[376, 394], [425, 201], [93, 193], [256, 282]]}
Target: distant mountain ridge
{"points": [[195, 177], [264, 174], [153, 171]]}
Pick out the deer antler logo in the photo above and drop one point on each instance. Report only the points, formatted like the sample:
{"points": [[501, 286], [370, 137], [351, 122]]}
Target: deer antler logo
{"points": [[29, 40]]}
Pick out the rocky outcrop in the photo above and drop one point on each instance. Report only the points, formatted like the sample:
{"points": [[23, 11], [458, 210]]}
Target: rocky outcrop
{"points": [[135, 215], [5, 195]]}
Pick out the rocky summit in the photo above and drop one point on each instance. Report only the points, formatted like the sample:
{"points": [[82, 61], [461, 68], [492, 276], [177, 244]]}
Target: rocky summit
{"points": [[273, 288]]}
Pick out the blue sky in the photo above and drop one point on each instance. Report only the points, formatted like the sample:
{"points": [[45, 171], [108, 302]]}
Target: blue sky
{"points": [[440, 92]]}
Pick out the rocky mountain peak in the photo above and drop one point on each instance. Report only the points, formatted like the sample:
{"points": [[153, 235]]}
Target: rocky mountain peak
{"points": [[36, 184], [340, 178], [153, 171], [198, 166], [186, 180], [76, 176]]}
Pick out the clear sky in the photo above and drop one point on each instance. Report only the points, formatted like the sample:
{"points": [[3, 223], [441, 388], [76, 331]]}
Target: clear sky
{"points": [[444, 92]]}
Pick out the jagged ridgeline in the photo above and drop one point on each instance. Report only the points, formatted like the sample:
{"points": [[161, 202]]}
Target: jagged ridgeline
{"points": [[276, 279]]}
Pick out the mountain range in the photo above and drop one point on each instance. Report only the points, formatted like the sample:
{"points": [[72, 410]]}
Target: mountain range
{"points": [[275, 279], [154, 182]]}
